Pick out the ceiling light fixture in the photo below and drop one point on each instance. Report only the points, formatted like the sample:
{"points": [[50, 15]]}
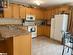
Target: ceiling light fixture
{"points": [[38, 2]]}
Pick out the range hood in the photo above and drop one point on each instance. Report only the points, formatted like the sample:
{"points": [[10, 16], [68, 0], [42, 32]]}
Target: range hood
{"points": [[7, 21]]}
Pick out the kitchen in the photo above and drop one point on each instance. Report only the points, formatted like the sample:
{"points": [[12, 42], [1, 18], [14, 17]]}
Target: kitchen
{"points": [[32, 20]]}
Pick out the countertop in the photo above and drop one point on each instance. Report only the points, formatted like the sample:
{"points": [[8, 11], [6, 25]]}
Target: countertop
{"points": [[12, 31]]}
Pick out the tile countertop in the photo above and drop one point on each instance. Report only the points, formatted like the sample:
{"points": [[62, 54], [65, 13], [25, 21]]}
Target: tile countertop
{"points": [[12, 31]]}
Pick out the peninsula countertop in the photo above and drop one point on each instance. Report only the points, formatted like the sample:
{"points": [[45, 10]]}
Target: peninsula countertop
{"points": [[12, 31]]}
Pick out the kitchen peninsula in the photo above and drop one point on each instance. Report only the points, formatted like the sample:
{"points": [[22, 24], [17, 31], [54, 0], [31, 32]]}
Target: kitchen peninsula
{"points": [[17, 41]]}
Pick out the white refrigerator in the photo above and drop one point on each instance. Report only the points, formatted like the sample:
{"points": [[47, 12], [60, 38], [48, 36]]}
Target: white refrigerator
{"points": [[58, 26]]}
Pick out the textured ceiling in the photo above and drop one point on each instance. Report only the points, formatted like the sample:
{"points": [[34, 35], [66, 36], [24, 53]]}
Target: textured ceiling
{"points": [[45, 3]]}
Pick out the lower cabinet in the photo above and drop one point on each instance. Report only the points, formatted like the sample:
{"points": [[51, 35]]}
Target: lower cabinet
{"points": [[19, 45], [43, 31], [47, 31], [39, 30]]}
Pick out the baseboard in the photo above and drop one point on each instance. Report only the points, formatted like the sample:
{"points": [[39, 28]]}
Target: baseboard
{"points": [[43, 36], [60, 42]]}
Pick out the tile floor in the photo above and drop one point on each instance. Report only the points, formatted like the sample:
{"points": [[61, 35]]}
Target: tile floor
{"points": [[45, 46]]}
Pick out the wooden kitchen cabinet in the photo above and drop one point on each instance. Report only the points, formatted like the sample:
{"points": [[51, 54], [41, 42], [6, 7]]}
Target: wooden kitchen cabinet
{"points": [[38, 13], [8, 11], [47, 31], [22, 12], [43, 31], [12, 11], [22, 45], [19, 11], [40, 30], [16, 11], [19, 45], [28, 11], [31, 11]]}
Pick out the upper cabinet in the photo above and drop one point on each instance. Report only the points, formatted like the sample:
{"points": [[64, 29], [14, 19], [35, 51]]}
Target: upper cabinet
{"points": [[12, 11], [28, 11], [15, 11], [8, 12], [37, 12], [22, 11]]}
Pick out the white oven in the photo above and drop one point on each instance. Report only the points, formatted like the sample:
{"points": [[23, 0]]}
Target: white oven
{"points": [[33, 30], [30, 22]]}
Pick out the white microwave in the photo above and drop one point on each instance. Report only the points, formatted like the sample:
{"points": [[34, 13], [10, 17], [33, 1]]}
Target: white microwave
{"points": [[30, 18]]}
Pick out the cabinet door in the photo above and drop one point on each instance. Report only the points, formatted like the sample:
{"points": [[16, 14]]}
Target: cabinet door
{"points": [[28, 11], [40, 30], [15, 11], [8, 12], [46, 31], [43, 30], [22, 12], [22, 45], [33, 12], [38, 13]]}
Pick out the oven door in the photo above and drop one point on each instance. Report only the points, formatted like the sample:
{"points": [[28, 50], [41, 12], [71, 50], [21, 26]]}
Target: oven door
{"points": [[33, 30]]}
